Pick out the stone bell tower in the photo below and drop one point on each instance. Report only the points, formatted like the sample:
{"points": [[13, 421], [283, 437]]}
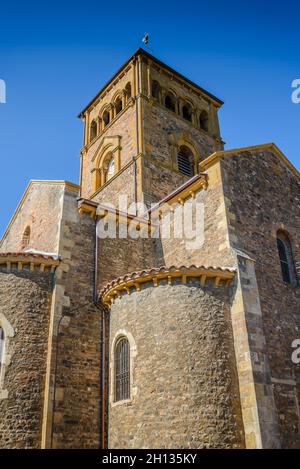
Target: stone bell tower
{"points": [[145, 133]]}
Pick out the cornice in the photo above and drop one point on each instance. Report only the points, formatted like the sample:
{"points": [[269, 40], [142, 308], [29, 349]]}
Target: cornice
{"points": [[87, 206], [132, 282], [164, 67], [182, 193], [27, 261]]}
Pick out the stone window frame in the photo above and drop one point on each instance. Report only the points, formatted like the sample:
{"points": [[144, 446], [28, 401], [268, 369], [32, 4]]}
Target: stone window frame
{"points": [[110, 167], [189, 105], [26, 237], [170, 93], [156, 91], [186, 161], [109, 109], [118, 97], [128, 91], [6, 357], [110, 147], [93, 130], [182, 139], [181, 101], [204, 120], [132, 355], [284, 237]]}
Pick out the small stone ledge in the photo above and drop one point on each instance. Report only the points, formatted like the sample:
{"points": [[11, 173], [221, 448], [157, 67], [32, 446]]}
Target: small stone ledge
{"points": [[27, 262], [133, 281]]}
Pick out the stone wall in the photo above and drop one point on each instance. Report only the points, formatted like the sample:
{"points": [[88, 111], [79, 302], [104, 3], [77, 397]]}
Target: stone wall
{"points": [[184, 385], [122, 185], [42, 202], [163, 131], [123, 126], [262, 196], [72, 418], [117, 257], [25, 299], [215, 249]]}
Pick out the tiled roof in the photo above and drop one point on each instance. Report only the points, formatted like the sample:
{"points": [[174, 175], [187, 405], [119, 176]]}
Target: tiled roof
{"points": [[163, 272], [27, 254]]}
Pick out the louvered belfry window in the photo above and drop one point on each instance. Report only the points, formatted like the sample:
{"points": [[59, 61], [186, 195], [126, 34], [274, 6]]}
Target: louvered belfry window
{"points": [[122, 370], [185, 161]]}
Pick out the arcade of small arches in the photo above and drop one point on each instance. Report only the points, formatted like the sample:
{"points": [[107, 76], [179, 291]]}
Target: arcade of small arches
{"points": [[181, 106], [110, 111]]}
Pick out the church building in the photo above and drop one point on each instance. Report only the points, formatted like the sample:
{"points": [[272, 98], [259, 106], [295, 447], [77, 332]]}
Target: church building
{"points": [[117, 328]]}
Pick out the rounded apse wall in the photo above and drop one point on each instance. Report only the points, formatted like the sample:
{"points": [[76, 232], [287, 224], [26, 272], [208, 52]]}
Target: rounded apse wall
{"points": [[25, 297], [183, 383]]}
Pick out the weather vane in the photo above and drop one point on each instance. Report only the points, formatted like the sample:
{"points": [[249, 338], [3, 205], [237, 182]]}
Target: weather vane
{"points": [[146, 39]]}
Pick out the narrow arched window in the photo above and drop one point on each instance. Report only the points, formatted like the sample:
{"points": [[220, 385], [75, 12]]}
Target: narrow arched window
{"points": [[26, 237], [185, 161], [2, 340], [170, 102], [128, 91], [155, 89], [110, 169], [286, 258], [203, 121], [105, 118], [187, 112], [93, 130], [122, 370], [118, 105]]}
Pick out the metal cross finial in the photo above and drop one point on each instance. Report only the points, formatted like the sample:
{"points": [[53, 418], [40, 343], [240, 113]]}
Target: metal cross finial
{"points": [[146, 39]]}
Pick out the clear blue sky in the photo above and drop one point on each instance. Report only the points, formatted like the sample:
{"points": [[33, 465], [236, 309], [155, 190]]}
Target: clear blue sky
{"points": [[54, 57]]}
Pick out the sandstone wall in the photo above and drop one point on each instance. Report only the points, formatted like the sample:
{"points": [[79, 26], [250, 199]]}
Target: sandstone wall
{"points": [[262, 196], [215, 250], [42, 203], [122, 126], [25, 299], [184, 388], [122, 185], [73, 419], [162, 130], [117, 257]]}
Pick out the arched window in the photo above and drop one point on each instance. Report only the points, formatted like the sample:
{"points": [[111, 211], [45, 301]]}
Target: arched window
{"points": [[2, 340], [105, 118], [185, 161], [128, 91], [286, 258], [110, 169], [170, 102], [93, 130], [122, 370], [26, 237], [187, 112], [118, 105], [155, 89], [203, 121]]}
